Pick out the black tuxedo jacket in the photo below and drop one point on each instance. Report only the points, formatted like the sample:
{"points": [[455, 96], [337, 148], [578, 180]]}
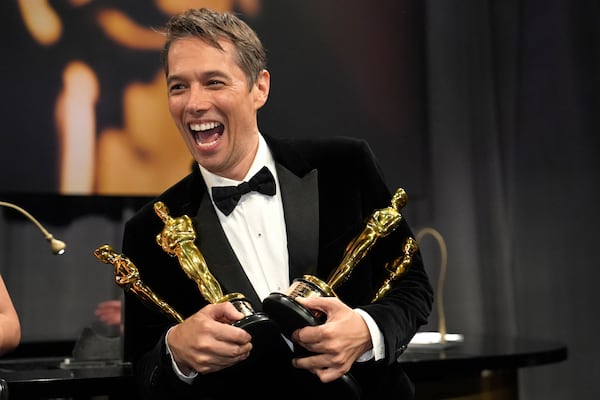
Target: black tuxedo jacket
{"points": [[329, 187]]}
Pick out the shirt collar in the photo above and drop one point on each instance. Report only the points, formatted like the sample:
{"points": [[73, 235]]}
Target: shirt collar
{"points": [[263, 158]]}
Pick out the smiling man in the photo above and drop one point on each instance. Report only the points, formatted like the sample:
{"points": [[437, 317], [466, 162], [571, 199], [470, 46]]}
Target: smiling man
{"points": [[214, 103], [295, 205]]}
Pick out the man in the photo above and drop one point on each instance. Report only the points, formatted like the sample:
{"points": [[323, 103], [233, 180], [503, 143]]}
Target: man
{"points": [[321, 196]]}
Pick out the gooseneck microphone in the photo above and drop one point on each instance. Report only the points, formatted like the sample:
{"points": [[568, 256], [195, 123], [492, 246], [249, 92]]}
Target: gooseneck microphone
{"points": [[57, 246]]}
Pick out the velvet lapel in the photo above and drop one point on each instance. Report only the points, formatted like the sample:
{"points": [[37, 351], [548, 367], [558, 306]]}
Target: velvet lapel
{"points": [[300, 198], [220, 258]]}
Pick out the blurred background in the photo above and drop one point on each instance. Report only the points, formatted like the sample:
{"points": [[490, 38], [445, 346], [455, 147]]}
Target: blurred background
{"points": [[485, 112]]}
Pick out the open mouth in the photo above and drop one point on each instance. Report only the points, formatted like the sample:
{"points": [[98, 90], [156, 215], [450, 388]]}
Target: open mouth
{"points": [[206, 133]]}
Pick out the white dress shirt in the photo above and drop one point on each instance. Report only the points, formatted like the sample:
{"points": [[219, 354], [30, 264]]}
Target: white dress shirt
{"points": [[256, 228]]}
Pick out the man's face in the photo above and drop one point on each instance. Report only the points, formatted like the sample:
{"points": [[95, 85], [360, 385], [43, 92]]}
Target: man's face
{"points": [[212, 106]]}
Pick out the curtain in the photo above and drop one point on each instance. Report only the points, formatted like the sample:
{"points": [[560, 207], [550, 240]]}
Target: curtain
{"points": [[513, 124]]}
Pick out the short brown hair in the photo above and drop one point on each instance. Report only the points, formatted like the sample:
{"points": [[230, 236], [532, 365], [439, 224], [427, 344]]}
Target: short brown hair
{"points": [[212, 26]]}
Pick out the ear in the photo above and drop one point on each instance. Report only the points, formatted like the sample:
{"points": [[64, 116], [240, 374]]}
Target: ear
{"points": [[261, 88]]}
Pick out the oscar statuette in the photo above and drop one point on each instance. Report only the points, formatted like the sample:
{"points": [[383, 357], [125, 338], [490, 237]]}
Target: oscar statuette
{"points": [[128, 278], [397, 267], [177, 239], [290, 314]]}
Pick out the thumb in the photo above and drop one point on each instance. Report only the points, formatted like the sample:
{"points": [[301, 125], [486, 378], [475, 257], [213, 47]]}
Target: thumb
{"points": [[224, 312]]}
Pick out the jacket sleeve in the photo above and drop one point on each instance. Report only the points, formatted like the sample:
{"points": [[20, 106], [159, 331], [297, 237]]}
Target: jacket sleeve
{"points": [[351, 189]]}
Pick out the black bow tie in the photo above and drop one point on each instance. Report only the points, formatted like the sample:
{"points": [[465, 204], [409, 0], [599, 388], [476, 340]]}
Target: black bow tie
{"points": [[227, 197]]}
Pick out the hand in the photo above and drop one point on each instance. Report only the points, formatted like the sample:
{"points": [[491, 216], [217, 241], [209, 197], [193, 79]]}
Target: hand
{"points": [[340, 341], [206, 342], [109, 312]]}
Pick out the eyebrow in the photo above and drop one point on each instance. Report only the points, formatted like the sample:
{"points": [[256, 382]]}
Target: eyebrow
{"points": [[203, 76]]}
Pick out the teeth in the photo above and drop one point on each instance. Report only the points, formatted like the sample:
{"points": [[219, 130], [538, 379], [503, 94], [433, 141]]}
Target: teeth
{"points": [[204, 126]]}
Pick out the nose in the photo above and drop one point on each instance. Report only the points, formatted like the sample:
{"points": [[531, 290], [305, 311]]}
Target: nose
{"points": [[199, 99]]}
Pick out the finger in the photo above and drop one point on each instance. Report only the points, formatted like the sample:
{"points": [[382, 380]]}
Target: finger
{"points": [[205, 324], [110, 304], [328, 374], [321, 366], [223, 354], [311, 363], [315, 303], [307, 336], [326, 305], [224, 312], [234, 335], [228, 352]]}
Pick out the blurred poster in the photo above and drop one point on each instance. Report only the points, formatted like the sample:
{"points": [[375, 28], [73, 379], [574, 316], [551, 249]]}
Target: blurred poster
{"points": [[85, 109]]}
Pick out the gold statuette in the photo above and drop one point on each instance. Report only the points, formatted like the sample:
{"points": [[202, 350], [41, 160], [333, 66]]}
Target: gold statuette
{"points": [[127, 277], [177, 239], [381, 223], [398, 267]]}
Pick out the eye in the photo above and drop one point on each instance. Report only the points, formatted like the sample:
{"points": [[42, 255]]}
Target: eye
{"points": [[176, 88], [214, 83]]}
